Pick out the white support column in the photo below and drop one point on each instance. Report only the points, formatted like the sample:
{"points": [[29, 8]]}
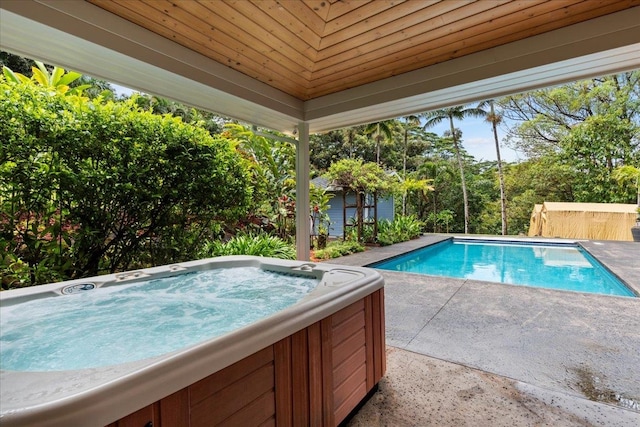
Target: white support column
{"points": [[303, 227]]}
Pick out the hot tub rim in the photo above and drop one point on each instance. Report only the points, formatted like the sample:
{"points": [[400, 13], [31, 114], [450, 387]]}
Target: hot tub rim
{"points": [[171, 372]]}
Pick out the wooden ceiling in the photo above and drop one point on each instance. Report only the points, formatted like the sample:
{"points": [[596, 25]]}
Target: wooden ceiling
{"points": [[311, 48]]}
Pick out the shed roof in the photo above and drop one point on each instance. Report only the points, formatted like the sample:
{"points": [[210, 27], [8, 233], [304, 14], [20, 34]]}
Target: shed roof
{"points": [[590, 207], [324, 183]]}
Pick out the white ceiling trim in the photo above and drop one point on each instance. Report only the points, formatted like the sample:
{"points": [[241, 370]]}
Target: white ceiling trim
{"points": [[609, 62]]}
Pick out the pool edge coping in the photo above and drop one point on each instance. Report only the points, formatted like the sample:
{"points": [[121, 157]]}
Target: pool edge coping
{"points": [[615, 266]]}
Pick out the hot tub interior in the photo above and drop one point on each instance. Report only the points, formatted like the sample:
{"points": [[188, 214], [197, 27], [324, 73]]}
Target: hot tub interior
{"points": [[109, 325]]}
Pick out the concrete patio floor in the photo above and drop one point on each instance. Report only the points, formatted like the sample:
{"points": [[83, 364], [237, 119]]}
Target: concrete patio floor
{"points": [[472, 353]]}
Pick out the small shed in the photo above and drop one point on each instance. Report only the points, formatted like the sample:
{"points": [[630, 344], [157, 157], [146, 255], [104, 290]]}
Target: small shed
{"points": [[593, 221], [385, 206]]}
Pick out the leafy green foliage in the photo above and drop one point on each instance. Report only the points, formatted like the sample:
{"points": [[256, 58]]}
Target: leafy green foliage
{"points": [[546, 117], [327, 148], [320, 221], [441, 220], [250, 244], [339, 248], [272, 168], [401, 229], [360, 177], [414, 189], [94, 186], [161, 106], [536, 181], [440, 169], [381, 133], [594, 148], [15, 63], [57, 79], [406, 145]]}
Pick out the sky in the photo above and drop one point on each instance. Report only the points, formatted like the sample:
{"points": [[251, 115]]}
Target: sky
{"points": [[477, 136], [477, 139]]}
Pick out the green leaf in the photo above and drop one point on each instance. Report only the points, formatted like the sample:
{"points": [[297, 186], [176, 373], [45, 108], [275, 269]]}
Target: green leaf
{"points": [[54, 79], [40, 77], [69, 77], [10, 75]]}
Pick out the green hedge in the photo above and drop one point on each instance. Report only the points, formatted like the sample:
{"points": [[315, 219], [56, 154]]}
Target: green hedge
{"points": [[92, 186]]}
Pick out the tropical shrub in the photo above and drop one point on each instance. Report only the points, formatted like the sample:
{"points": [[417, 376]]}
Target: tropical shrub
{"points": [[401, 229], [441, 220], [339, 248], [320, 221], [366, 231], [250, 244], [271, 165]]}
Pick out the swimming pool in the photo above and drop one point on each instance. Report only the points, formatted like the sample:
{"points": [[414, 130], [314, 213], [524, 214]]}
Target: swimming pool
{"points": [[563, 266]]}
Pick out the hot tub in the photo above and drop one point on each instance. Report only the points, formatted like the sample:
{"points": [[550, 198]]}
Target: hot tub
{"points": [[310, 363]]}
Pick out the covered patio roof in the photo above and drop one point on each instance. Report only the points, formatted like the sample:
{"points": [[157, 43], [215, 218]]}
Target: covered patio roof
{"points": [[307, 66], [329, 63]]}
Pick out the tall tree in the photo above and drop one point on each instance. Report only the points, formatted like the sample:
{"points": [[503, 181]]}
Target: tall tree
{"points": [[545, 117], [409, 123], [495, 119], [459, 112], [381, 132], [536, 181], [347, 143], [592, 126], [350, 135]]}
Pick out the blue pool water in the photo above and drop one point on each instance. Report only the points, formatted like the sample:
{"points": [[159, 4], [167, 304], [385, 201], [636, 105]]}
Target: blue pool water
{"points": [[566, 267]]}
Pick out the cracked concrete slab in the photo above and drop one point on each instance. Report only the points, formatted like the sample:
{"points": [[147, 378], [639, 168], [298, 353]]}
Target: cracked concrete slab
{"points": [[422, 391]]}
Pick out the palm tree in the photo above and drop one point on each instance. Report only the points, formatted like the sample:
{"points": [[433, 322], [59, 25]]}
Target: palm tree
{"points": [[380, 131], [459, 112], [349, 137], [410, 122], [431, 169], [495, 119]]}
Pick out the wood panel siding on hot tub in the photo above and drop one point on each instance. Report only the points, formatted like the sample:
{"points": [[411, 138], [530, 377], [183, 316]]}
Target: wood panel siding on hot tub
{"points": [[314, 377]]}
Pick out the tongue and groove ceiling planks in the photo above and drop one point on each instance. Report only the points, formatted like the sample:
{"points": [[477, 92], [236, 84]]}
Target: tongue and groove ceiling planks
{"points": [[312, 48]]}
